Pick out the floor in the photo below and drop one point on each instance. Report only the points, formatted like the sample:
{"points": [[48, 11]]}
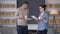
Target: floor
{"points": [[13, 31]]}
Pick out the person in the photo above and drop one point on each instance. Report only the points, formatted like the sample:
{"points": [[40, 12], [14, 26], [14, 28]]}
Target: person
{"points": [[42, 20], [22, 13]]}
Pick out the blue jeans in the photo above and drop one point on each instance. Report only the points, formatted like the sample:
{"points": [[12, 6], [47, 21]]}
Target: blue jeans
{"points": [[22, 29], [42, 32]]}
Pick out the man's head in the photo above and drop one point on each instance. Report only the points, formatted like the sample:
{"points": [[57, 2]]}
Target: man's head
{"points": [[25, 5], [42, 8]]}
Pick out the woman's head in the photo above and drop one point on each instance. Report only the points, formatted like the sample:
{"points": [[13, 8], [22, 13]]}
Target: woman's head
{"points": [[42, 8]]}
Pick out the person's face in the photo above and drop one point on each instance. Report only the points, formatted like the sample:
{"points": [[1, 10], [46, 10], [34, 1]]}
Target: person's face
{"points": [[41, 9], [25, 6]]}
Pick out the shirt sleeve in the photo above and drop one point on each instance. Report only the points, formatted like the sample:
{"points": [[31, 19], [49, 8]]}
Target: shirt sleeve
{"points": [[46, 19], [26, 14], [19, 13]]}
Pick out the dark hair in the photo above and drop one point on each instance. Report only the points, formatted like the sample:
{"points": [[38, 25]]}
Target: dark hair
{"points": [[26, 2], [43, 6]]}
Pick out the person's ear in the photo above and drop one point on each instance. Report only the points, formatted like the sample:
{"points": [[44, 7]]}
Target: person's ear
{"points": [[43, 8]]}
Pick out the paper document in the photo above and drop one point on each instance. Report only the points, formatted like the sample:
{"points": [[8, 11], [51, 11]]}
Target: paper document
{"points": [[34, 17]]}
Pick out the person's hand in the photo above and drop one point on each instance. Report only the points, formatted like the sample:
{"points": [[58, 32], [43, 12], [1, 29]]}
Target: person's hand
{"points": [[25, 17], [21, 17], [40, 18], [33, 17]]}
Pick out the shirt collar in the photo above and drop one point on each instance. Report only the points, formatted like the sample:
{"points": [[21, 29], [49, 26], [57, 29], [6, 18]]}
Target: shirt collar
{"points": [[42, 13]]}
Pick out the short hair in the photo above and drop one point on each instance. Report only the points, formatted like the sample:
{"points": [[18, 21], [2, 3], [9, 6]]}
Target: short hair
{"points": [[43, 6], [26, 3]]}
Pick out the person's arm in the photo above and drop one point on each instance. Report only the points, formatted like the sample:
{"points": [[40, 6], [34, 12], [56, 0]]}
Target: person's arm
{"points": [[19, 14], [26, 14], [46, 19], [34, 18]]}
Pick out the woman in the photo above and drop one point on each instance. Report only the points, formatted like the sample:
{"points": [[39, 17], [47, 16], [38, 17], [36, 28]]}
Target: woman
{"points": [[42, 20]]}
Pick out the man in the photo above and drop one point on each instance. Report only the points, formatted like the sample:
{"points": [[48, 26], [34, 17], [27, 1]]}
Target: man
{"points": [[42, 20], [22, 13]]}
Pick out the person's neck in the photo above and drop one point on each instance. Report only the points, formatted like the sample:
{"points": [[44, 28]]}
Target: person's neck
{"points": [[25, 8], [42, 12]]}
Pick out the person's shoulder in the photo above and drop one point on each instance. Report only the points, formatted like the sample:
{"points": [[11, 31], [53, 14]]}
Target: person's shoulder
{"points": [[28, 9], [19, 8], [46, 13]]}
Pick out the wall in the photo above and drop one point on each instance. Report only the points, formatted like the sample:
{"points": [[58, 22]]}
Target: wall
{"points": [[7, 16], [54, 4]]}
